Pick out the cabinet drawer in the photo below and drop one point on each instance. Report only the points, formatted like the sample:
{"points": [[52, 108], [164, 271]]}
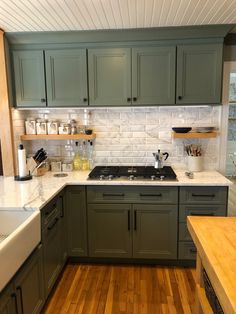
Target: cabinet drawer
{"points": [[50, 210], [203, 195], [132, 194], [187, 250], [201, 210], [184, 234]]}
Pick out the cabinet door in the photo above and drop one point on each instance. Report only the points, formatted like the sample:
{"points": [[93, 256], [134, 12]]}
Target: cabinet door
{"points": [[29, 78], [76, 221], [51, 252], [8, 301], [109, 76], [66, 72], [29, 284], [153, 75], [109, 230], [199, 74], [155, 231]]}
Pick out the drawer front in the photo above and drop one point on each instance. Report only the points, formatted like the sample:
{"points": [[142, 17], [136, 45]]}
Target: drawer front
{"points": [[187, 250], [50, 210], [132, 194], [184, 234], [203, 195], [201, 210]]}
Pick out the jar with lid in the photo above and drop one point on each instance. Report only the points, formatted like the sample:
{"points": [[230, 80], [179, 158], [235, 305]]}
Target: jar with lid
{"points": [[64, 128], [73, 125], [41, 126], [30, 126], [52, 127]]}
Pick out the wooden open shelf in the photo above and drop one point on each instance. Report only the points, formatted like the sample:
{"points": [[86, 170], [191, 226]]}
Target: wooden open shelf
{"points": [[194, 135], [32, 137]]}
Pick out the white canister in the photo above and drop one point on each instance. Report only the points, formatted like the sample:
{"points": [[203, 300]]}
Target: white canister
{"points": [[41, 126], [30, 126], [195, 163], [52, 127], [64, 128], [56, 166]]}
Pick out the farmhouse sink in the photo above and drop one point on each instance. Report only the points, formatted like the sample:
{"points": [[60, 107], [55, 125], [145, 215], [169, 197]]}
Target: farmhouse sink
{"points": [[19, 235]]}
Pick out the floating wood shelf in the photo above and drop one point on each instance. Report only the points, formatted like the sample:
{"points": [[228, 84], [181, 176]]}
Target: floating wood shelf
{"points": [[32, 137], [194, 135]]}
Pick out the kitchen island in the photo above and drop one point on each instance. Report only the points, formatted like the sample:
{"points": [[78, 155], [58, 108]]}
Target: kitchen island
{"points": [[215, 239]]}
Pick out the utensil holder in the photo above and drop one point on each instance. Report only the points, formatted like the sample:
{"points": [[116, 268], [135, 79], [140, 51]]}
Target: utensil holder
{"points": [[195, 163]]}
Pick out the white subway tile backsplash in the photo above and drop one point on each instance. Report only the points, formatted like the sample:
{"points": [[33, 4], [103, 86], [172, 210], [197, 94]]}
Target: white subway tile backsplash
{"points": [[129, 135]]}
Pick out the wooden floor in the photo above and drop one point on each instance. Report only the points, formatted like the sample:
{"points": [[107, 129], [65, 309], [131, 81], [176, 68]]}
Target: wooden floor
{"points": [[98, 289]]}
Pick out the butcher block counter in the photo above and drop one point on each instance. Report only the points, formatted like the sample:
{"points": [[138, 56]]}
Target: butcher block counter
{"points": [[215, 239]]}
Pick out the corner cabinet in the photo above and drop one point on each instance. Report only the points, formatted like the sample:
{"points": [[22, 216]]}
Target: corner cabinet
{"points": [[53, 78], [199, 74], [132, 76]]}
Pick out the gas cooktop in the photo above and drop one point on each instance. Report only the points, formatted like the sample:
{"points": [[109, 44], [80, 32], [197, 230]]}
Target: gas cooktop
{"points": [[132, 173]]}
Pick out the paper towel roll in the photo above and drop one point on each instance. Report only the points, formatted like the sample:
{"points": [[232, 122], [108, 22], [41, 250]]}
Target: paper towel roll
{"points": [[22, 166]]}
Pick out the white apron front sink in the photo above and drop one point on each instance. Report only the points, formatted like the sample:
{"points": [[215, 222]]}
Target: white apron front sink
{"points": [[19, 235]]}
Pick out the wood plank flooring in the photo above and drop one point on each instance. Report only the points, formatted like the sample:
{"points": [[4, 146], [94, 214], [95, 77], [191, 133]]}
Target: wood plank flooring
{"points": [[116, 289]]}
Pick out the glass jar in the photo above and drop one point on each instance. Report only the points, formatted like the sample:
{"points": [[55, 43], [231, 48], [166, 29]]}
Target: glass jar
{"points": [[30, 126], [41, 126], [52, 127], [64, 128]]}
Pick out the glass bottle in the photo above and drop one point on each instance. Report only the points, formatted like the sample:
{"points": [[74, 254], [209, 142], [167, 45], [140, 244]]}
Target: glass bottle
{"points": [[77, 162], [84, 158]]}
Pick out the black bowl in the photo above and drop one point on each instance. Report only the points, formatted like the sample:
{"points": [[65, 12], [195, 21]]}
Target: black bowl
{"points": [[88, 131], [181, 130]]}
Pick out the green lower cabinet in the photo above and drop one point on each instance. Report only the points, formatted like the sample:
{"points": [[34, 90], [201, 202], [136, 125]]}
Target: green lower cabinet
{"points": [[155, 230], [109, 230], [8, 301], [126, 230], [76, 221], [25, 293]]}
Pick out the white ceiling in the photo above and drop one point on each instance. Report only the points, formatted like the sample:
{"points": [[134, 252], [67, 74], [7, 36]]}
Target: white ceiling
{"points": [[63, 15]]}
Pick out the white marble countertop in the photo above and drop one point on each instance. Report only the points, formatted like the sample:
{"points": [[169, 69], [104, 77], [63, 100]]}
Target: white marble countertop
{"points": [[37, 192]]}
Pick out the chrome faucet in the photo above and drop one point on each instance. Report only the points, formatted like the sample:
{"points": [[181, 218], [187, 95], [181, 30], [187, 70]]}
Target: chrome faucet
{"points": [[159, 159]]}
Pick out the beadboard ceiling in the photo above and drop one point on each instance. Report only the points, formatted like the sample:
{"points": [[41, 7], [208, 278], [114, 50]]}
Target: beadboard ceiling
{"points": [[65, 15]]}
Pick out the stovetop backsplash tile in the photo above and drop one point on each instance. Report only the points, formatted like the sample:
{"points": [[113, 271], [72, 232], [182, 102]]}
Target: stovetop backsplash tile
{"points": [[129, 136]]}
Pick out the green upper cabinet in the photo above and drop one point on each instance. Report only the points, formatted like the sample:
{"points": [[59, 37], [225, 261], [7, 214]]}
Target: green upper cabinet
{"points": [[137, 76], [199, 74], [66, 73], [29, 78], [53, 78], [153, 75], [109, 76]]}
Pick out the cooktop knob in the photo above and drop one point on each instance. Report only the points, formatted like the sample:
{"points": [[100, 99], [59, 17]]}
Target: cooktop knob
{"points": [[153, 178], [162, 178], [102, 177], [110, 177], [131, 177]]}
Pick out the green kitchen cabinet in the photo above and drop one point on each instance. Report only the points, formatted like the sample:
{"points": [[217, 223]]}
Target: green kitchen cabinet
{"points": [[109, 230], [29, 78], [109, 72], [198, 201], [137, 76], [132, 221], [66, 77], [199, 74], [25, 293], [8, 300], [53, 241], [153, 75], [76, 221], [52, 78], [155, 230], [29, 284]]}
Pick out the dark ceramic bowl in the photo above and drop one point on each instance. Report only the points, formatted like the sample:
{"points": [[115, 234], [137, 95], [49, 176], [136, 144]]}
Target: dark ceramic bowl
{"points": [[88, 132], [181, 130]]}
